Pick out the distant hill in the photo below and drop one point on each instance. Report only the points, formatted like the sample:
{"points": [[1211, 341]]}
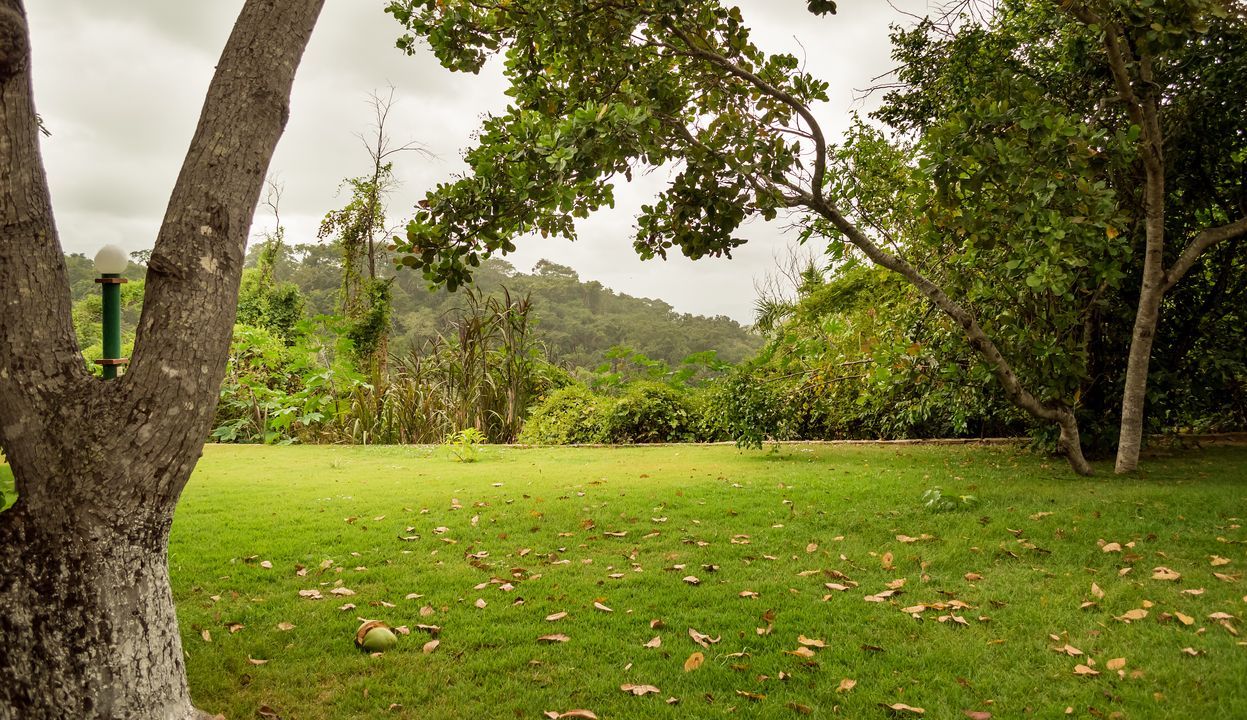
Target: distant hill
{"points": [[578, 321]]}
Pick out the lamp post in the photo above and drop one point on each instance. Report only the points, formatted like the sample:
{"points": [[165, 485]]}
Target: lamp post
{"points": [[110, 262]]}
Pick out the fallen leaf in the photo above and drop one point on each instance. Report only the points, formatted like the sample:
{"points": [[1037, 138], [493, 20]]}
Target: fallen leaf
{"points": [[1227, 578], [556, 617], [1095, 590], [1193, 591], [1111, 547], [886, 561], [255, 661], [430, 646], [978, 714], [749, 594], [692, 580], [694, 661], [803, 652], [577, 715], [1192, 652], [480, 603], [1183, 618], [846, 685], [342, 592], [973, 577], [1218, 561], [837, 587], [811, 642], [560, 638], [207, 636], [348, 606], [799, 709], [703, 639], [903, 709], [655, 642], [1164, 573], [1132, 615], [1084, 670], [1069, 650], [285, 626], [266, 565], [756, 697], [1115, 664], [311, 594], [603, 608]]}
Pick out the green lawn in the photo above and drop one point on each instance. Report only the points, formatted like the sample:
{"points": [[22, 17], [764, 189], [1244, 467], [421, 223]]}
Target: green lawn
{"points": [[780, 525]]}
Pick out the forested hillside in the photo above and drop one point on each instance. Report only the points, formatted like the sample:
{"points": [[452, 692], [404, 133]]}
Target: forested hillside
{"points": [[578, 321]]}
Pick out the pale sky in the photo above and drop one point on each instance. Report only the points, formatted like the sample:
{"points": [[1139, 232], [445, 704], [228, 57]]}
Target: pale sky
{"points": [[119, 83]]}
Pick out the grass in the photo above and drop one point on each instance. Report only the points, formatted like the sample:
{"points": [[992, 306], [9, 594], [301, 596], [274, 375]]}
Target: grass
{"points": [[1033, 537]]}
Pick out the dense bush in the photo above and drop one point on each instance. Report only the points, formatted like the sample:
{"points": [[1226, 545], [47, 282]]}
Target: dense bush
{"points": [[650, 412], [570, 415]]}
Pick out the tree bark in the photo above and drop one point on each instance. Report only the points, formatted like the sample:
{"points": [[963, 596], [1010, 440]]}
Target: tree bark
{"points": [[87, 623]]}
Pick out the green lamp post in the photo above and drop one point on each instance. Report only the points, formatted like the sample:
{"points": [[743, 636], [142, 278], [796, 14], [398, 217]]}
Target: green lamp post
{"points": [[110, 262]]}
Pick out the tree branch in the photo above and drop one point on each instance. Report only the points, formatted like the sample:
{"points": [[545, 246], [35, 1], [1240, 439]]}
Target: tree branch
{"points": [[1202, 242]]}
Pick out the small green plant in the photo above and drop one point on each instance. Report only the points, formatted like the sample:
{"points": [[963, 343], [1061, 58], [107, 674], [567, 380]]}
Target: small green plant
{"points": [[936, 501], [465, 444]]}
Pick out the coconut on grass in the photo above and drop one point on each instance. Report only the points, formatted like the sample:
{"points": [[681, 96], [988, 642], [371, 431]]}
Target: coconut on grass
{"points": [[375, 636]]}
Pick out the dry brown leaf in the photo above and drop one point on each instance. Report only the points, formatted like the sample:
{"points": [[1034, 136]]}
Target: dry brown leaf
{"points": [[311, 594], [903, 709], [1069, 650], [1183, 618], [1218, 561], [756, 697], [837, 587], [1095, 590], [234, 627], [480, 603], [886, 561], [1111, 547], [692, 580], [430, 646], [346, 607], [603, 608], [577, 715], [342, 592], [1164, 573], [978, 714], [799, 709], [639, 690], [266, 565], [846, 685], [556, 617], [1227, 578], [655, 642], [1132, 615], [1085, 671], [1193, 591], [694, 661], [973, 577], [560, 638], [812, 547], [255, 661], [811, 642], [207, 636], [802, 652], [896, 584], [285, 626], [1115, 664], [703, 639], [1192, 652]]}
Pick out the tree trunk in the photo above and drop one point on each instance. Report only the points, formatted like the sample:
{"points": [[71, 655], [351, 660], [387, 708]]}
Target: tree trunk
{"points": [[87, 619], [87, 624]]}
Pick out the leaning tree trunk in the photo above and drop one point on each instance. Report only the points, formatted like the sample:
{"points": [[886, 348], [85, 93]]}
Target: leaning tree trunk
{"points": [[87, 624]]}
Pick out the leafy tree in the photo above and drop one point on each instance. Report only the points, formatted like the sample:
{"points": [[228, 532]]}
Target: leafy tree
{"points": [[87, 623], [1166, 80], [600, 88]]}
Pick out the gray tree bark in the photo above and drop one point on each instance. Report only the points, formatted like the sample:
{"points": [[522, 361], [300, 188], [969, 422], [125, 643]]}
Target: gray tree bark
{"points": [[87, 624]]}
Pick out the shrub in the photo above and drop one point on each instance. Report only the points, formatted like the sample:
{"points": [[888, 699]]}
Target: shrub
{"points": [[747, 409], [650, 412], [570, 415]]}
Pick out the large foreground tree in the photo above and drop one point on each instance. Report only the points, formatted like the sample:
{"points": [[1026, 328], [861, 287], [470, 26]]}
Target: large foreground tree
{"points": [[87, 624]]}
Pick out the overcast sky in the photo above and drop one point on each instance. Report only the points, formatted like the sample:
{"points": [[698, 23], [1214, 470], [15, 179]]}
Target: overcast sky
{"points": [[119, 83]]}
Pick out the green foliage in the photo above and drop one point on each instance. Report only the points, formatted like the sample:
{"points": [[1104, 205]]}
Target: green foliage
{"points": [[934, 500], [748, 409], [570, 415], [464, 445], [650, 412]]}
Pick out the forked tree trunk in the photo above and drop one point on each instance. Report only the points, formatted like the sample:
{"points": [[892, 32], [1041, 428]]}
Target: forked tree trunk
{"points": [[87, 624]]}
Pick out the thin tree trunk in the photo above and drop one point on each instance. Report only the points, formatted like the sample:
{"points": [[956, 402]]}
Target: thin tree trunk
{"points": [[87, 624]]}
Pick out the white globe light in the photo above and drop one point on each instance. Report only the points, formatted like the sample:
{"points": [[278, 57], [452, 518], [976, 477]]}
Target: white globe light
{"points": [[111, 260]]}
